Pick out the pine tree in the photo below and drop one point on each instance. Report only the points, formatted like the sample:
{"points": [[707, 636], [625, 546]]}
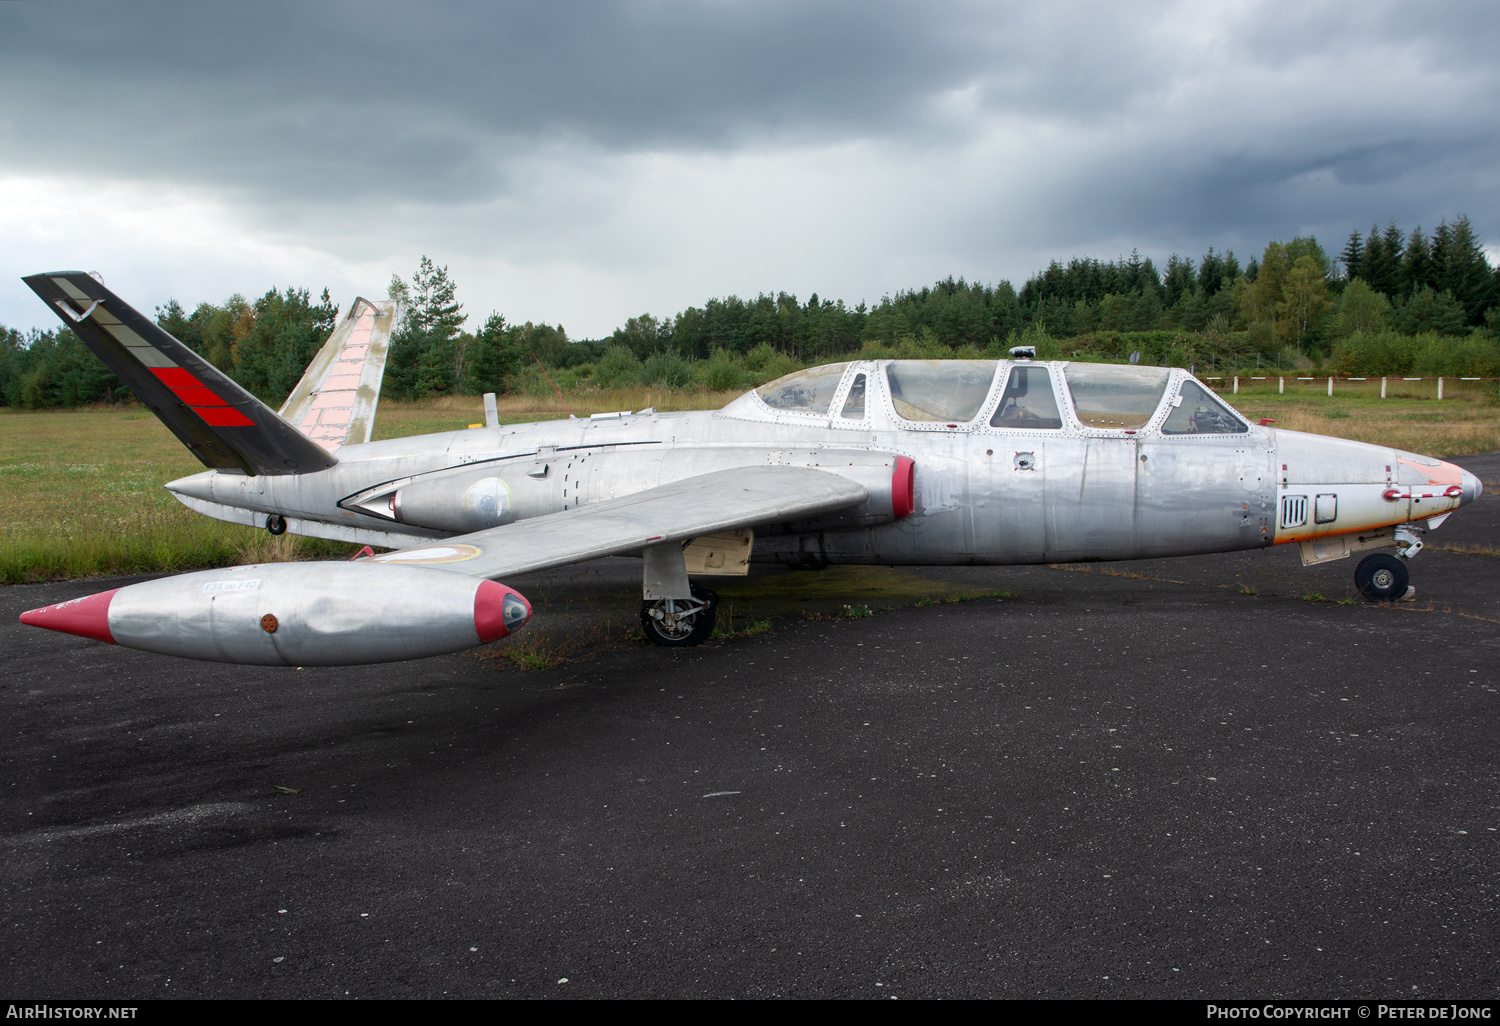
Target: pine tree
{"points": [[423, 354], [1353, 256], [491, 359], [1382, 260], [1467, 274], [1416, 263], [1179, 280]]}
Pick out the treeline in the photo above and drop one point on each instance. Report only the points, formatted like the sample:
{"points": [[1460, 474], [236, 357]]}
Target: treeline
{"points": [[1390, 303]]}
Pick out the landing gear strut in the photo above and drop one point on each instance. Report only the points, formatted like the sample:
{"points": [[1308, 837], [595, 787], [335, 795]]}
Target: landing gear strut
{"points": [[680, 622]]}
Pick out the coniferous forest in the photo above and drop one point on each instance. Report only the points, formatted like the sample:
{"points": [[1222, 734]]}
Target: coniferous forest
{"points": [[1389, 302]]}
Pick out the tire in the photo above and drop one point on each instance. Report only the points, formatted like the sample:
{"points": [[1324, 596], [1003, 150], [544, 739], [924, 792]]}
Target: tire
{"points": [[693, 629], [276, 523], [1381, 577]]}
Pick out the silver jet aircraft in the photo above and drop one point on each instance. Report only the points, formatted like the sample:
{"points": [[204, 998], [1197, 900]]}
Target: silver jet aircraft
{"points": [[894, 462]]}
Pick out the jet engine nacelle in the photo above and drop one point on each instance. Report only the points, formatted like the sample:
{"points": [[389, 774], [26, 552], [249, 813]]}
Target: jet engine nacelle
{"points": [[297, 614], [461, 500], [888, 479], [891, 482], [456, 501]]}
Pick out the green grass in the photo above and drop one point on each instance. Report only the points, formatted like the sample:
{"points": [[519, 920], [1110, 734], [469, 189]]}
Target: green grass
{"points": [[81, 496]]}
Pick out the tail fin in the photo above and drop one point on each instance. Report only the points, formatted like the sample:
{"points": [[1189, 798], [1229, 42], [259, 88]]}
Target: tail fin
{"points": [[226, 427], [334, 403]]}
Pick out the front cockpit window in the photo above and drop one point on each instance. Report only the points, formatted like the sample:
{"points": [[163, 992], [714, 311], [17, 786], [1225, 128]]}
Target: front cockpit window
{"points": [[806, 391], [949, 391], [1028, 402], [1114, 396], [1199, 412]]}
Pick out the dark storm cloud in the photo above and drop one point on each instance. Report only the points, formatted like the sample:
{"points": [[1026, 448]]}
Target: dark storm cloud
{"points": [[649, 154], [435, 102], [433, 97]]}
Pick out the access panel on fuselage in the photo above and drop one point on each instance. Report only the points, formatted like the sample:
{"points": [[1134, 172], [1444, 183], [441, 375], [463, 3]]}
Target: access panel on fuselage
{"points": [[1008, 497], [1090, 498], [1200, 495]]}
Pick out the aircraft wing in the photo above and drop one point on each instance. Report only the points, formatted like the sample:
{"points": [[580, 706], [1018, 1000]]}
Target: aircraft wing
{"points": [[707, 504]]}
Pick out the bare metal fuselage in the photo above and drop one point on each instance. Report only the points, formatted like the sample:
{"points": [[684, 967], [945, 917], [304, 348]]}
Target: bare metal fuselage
{"points": [[982, 494]]}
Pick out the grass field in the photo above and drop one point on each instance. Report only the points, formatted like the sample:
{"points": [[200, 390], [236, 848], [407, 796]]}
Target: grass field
{"points": [[81, 495]]}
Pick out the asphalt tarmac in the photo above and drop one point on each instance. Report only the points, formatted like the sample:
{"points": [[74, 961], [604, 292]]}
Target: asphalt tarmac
{"points": [[1194, 778]]}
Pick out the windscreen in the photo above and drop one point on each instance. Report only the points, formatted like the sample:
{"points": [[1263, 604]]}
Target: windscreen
{"points": [[1201, 413], [1028, 402], [1115, 396], [939, 390], [807, 391]]}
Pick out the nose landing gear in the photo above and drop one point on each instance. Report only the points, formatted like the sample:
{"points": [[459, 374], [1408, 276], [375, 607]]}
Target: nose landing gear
{"points": [[1381, 577]]}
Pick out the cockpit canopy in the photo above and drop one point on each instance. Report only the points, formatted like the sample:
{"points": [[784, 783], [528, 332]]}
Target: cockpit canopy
{"points": [[1009, 394]]}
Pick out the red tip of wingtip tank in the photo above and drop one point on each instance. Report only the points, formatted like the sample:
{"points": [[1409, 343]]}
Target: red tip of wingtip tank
{"points": [[86, 617], [498, 611]]}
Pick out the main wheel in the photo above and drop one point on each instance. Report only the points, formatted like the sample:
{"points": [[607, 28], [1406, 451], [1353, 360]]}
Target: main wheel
{"points": [[675, 622], [276, 523], [1381, 577]]}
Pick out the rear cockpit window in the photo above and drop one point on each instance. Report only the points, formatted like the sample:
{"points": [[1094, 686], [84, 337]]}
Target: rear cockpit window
{"points": [[854, 404], [808, 391], [1114, 396], [1028, 402], [1199, 412], [939, 390]]}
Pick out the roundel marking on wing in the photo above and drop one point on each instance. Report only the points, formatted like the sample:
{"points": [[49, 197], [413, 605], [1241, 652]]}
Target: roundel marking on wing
{"points": [[431, 554]]}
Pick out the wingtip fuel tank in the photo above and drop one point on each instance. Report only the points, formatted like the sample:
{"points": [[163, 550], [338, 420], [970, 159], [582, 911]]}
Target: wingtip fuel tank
{"points": [[297, 614]]}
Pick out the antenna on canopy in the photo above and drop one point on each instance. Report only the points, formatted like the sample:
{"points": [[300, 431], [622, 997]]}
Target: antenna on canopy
{"points": [[1023, 352]]}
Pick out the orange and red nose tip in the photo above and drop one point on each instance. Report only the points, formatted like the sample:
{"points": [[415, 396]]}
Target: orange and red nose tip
{"points": [[86, 617], [498, 611]]}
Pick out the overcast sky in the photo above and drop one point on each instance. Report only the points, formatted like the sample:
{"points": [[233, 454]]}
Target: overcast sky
{"points": [[584, 162]]}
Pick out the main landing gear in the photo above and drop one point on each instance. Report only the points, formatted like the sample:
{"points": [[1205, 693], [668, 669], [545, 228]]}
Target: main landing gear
{"points": [[680, 622], [276, 523], [1381, 577]]}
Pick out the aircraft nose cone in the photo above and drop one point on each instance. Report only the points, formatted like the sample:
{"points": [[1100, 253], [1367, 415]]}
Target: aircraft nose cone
{"points": [[86, 617], [1473, 488]]}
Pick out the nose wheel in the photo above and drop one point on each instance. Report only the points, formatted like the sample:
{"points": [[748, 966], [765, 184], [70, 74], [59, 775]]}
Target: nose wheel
{"points": [[680, 622], [1381, 578]]}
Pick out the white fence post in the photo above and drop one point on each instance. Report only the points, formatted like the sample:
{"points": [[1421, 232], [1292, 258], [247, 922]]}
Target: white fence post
{"points": [[1236, 386], [1330, 386], [1382, 388], [1440, 388], [1281, 387]]}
